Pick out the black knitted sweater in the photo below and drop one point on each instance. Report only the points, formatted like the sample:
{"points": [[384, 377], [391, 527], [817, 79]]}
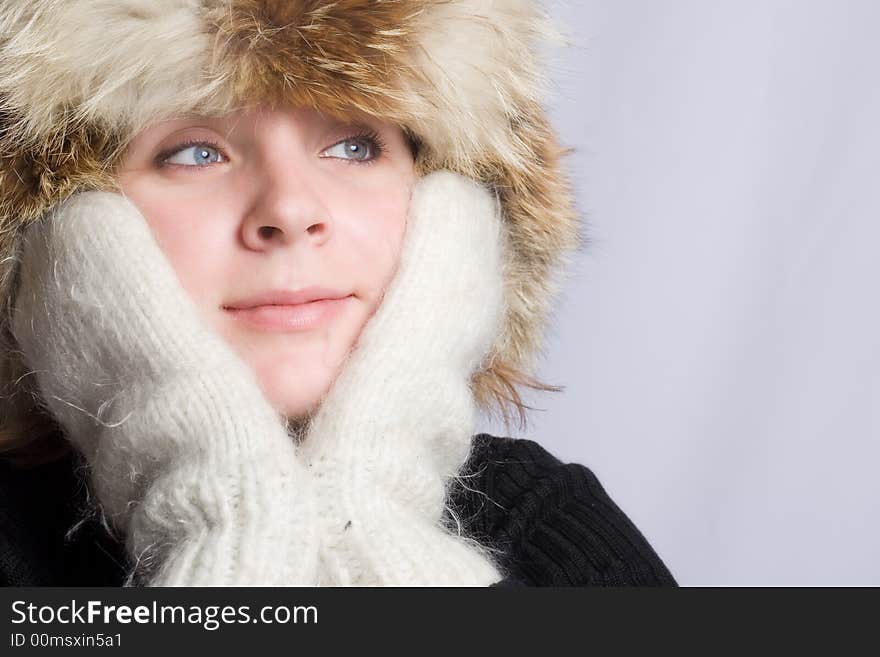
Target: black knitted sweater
{"points": [[552, 522]]}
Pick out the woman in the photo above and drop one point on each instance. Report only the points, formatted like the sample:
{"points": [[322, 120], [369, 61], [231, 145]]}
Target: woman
{"points": [[263, 263]]}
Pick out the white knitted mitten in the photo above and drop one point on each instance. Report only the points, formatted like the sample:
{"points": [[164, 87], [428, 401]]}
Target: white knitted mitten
{"points": [[187, 457], [398, 421]]}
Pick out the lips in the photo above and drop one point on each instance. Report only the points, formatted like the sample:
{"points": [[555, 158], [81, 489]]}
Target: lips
{"points": [[285, 311], [287, 297]]}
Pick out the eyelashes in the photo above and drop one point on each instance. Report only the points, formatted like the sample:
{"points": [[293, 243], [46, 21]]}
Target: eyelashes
{"points": [[376, 145], [368, 135], [163, 157]]}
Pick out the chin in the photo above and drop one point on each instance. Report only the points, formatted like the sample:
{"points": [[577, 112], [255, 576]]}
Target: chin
{"points": [[294, 403], [294, 376], [298, 411], [295, 391]]}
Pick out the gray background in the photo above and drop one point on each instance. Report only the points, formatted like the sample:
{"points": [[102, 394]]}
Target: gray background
{"points": [[720, 340]]}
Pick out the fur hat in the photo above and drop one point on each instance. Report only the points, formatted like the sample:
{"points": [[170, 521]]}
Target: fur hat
{"points": [[79, 78]]}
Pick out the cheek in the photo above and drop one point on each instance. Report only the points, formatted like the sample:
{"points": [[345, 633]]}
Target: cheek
{"points": [[377, 239], [185, 229]]}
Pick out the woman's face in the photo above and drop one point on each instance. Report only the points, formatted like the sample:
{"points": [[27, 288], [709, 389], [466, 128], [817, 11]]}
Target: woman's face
{"points": [[277, 201]]}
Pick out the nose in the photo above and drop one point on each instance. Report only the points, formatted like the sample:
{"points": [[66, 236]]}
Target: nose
{"points": [[288, 208]]}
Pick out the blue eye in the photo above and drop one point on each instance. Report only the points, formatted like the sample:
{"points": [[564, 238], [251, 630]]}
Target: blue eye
{"points": [[363, 148], [196, 154], [354, 148]]}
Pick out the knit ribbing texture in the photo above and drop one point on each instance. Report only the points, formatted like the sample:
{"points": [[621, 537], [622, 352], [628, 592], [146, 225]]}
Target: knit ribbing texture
{"points": [[187, 458], [396, 426]]}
